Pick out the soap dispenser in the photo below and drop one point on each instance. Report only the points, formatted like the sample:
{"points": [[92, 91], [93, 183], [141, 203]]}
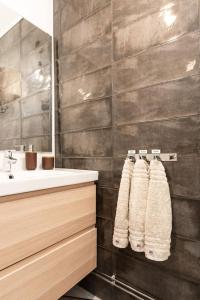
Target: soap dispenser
{"points": [[31, 158]]}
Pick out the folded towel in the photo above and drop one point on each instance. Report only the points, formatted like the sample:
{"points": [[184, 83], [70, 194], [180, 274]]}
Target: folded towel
{"points": [[120, 236], [158, 215], [137, 205]]}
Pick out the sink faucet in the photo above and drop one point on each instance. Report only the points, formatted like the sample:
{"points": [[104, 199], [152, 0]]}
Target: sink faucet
{"points": [[10, 160]]}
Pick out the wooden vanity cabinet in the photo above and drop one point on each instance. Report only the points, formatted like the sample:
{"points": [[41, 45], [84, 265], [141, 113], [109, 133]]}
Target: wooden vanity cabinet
{"points": [[47, 241]]}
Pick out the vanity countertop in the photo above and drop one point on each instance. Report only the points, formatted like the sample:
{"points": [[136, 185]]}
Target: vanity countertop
{"points": [[28, 181]]}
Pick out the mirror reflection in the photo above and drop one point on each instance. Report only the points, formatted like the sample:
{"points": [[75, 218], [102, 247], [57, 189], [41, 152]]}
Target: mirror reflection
{"points": [[25, 83]]}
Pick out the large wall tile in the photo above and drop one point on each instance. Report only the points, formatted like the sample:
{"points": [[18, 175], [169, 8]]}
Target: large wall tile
{"points": [[172, 61], [10, 129], [56, 31], [127, 11], [88, 87], [57, 122], [36, 104], [87, 116], [186, 214], [8, 144], [9, 77], [178, 135], [98, 4], [87, 31], [10, 60], [117, 170], [104, 233], [87, 143], [163, 26], [56, 6], [34, 40], [58, 149], [40, 143], [36, 126], [26, 27], [101, 164], [73, 11], [173, 99], [38, 80], [12, 112], [40, 57], [155, 280], [12, 91], [106, 203], [91, 58], [183, 261], [104, 261], [185, 176]]}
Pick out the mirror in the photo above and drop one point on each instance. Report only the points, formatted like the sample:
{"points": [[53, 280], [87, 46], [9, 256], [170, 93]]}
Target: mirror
{"points": [[25, 83]]}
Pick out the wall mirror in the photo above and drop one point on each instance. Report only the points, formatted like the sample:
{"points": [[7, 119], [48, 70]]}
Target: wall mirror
{"points": [[26, 94]]}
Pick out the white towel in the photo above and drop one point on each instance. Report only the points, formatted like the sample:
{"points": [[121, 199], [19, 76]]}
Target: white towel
{"points": [[120, 236], [137, 205], [158, 215]]}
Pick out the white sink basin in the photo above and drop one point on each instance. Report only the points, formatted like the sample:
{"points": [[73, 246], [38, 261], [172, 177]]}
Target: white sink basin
{"points": [[27, 181]]}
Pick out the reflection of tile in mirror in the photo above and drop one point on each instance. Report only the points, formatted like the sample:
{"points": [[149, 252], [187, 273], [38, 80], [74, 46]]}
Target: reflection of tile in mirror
{"points": [[25, 86], [35, 104]]}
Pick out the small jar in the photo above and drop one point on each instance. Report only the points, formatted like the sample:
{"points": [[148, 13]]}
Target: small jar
{"points": [[48, 162]]}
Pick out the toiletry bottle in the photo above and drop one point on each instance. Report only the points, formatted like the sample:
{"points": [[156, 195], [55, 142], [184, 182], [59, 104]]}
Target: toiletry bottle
{"points": [[31, 158]]}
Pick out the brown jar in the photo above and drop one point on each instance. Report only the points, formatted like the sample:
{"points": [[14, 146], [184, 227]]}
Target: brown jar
{"points": [[31, 160], [48, 162]]}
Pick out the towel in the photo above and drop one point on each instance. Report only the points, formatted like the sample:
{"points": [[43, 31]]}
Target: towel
{"points": [[120, 236], [137, 205], [158, 225]]}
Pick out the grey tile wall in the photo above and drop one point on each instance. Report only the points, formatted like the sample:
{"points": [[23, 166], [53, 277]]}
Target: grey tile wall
{"points": [[25, 82], [93, 143], [93, 57], [92, 86], [87, 116], [156, 280], [158, 64], [87, 31], [129, 78], [136, 36]]}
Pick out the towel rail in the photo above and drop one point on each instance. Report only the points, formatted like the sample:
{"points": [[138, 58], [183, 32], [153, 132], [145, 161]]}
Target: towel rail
{"points": [[156, 153]]}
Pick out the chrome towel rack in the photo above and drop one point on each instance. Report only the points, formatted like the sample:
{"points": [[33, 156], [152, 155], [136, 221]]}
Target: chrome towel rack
{"points": [[155, 153]]}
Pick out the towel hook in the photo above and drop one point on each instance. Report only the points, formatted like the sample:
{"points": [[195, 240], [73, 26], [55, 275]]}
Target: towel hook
{"points": [[157, 157], [143, 155], [156, 154], [131, 155]]}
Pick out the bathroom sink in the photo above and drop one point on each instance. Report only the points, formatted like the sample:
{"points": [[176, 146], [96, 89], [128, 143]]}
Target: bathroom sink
{"points": [[27, 181]]}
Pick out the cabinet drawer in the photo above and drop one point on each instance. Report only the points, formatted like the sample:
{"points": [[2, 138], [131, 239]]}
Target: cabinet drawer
{"points": [[50, 273], [33, 224]]}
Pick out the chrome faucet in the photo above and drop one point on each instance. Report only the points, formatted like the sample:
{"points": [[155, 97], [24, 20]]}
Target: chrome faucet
{"points": [[10, 160]]}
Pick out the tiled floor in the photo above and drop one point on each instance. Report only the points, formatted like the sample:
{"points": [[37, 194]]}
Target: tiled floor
{"points": [[78, 293]]}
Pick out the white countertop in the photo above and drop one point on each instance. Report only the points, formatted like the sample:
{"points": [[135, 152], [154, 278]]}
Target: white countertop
{"points": [[27, 181]]}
